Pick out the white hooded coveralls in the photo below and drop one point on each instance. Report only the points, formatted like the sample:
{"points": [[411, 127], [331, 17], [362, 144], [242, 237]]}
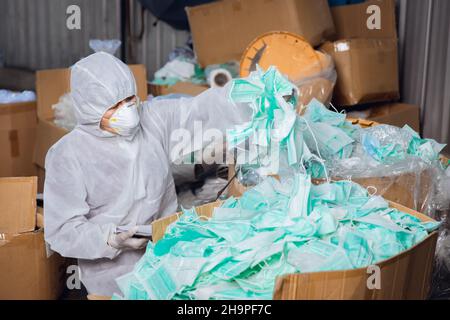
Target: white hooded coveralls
{"points": [[96, 181]]}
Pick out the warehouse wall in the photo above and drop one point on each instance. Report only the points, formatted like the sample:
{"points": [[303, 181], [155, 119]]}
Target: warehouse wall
{"points": [[34, 34], [157, 42], [425, 77]]}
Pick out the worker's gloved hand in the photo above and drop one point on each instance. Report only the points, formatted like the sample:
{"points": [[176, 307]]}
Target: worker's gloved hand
{"points": [[125, 240]]}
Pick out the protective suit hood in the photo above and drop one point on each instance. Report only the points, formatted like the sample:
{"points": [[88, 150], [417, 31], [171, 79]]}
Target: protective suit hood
{"points": [[97, 83]]}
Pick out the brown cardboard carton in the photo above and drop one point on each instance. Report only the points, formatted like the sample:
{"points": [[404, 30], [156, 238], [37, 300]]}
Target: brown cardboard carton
{"points": [[222, 30], [189, 88], [405, 276], [27, 273], [18, 205], [395, 114], [351, 20], [50, 86], [17, 133], [367, 70], [25, 270]]}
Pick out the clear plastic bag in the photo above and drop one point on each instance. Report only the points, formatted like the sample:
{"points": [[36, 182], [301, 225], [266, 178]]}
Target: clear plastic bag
{"points": [[319, 85], [249, 176], [183, 53], [8, 96], [64, 113], [440, 283], [108, 46], [407, 179]]}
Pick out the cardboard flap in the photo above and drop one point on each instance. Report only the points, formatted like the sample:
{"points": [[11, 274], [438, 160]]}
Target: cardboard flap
{"points": [[329, 285], [27, 273], [52, 84], [18, 200]]}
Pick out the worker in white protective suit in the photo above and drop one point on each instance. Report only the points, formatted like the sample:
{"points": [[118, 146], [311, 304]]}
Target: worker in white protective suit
{"points": [[113, 169]]}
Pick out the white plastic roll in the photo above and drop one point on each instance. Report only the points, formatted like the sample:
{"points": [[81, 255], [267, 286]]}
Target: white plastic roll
{"points": [[219, 78]]}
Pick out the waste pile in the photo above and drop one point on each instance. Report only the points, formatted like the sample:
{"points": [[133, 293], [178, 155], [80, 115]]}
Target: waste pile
{"points": [[275, 228], [280, 226]]}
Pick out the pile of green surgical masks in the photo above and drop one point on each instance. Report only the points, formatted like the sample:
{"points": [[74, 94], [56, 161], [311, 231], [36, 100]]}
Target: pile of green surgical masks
{"points": [[317, 140], [377, 151], [321, 142], [275, 131], [275, 228]]}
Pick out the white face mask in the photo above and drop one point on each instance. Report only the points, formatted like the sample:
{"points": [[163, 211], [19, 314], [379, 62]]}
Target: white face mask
{"points": [[125, 121]]}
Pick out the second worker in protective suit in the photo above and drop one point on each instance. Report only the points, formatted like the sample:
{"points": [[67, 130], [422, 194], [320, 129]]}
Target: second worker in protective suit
{"points": [[113, 169]]}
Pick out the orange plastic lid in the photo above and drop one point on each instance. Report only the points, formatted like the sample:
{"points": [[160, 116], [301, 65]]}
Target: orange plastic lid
{"points": [[290, 53]]}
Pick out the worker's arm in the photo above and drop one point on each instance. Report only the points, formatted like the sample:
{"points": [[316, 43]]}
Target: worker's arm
{"points": [[67, 230], [200, 117]]}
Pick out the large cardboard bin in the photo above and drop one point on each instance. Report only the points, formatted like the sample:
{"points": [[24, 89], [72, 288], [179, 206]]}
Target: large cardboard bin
{"points": [[404, 276]]}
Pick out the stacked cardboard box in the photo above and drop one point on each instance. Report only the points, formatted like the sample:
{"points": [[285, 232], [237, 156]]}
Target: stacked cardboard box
{"points": [[222, 30], [26, 272], [366, 59], [50, 86], [395, 114], [17, 131]]}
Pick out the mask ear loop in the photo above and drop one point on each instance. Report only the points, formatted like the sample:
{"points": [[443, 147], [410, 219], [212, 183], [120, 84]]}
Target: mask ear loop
{"points": [[302, 164], [374, 189], [334, 108], [276, 266], [321, 161]]}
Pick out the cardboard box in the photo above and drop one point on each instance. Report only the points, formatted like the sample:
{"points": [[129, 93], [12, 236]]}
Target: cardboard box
{"points": [[25, 270], [17, 134], [367, 70], [17, 79], [188, 88], [222, 30], [404, 276], [351, 21], [50, 86], [396, 114]]}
